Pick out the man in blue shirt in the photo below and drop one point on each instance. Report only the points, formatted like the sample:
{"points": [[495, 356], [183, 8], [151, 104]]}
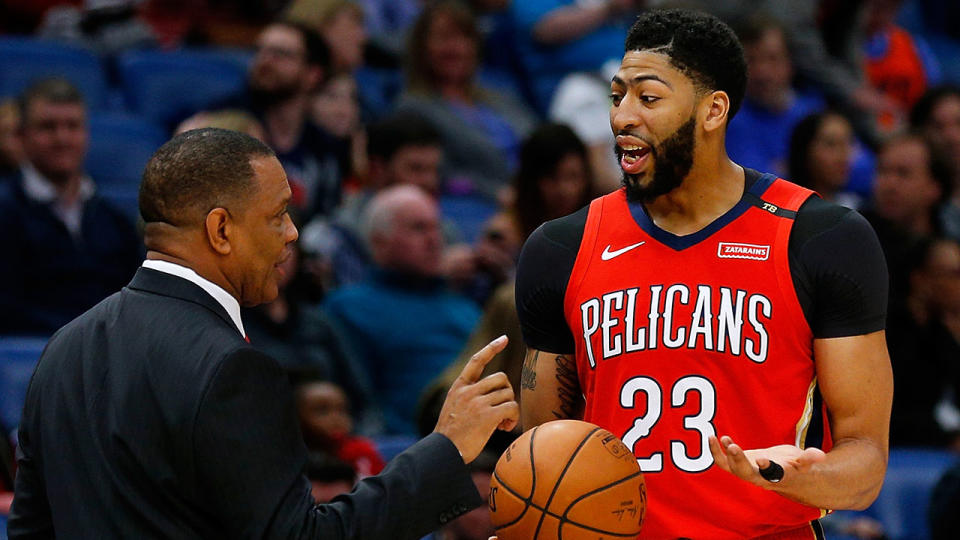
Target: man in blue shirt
{"points": [[402, 321]]}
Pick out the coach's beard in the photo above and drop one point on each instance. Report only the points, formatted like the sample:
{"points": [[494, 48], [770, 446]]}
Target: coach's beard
{"points": [[672, 160]]}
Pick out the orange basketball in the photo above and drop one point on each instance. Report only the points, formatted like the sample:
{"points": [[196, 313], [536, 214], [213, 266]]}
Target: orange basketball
{"points": [[567, 480]]}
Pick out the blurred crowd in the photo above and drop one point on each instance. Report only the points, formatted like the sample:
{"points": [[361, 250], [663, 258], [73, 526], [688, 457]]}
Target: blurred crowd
{"points": [[425, 140]]}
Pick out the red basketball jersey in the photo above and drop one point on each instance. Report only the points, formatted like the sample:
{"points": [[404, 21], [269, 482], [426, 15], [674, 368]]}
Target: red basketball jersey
{"points": [[679, 338]]}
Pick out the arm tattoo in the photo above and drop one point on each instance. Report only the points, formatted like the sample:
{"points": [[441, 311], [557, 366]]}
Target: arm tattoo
{"points": [[571, 398], [528, 373]]}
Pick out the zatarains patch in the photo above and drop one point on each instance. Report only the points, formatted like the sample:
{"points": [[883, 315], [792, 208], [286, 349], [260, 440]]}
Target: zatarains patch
{"points": [[729, 250]]}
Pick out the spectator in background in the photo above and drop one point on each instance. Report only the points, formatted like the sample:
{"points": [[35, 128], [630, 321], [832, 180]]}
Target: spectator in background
{"points": [[11, 150], [300, 337], [558, 37], [909, 186], [290, 64], [65, 247], [336, 109], [327, 426], [924, 344], [477, 270], [898, 64], [937, 116], [944, 501], [232, 119], [481, 129], [554, 179], [759, 135], [328, 476], [340, 23], [402, 149], [821, 152], [404, 324]]}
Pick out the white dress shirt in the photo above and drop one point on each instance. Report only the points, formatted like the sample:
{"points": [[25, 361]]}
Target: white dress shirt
{"points": [[224, 298]]}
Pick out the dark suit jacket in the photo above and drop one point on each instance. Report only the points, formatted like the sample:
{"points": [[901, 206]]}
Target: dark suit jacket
{"points": [[150, 417]]}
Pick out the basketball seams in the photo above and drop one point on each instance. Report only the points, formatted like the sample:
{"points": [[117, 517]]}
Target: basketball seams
{"points": [[565, 519], [559, 481]]}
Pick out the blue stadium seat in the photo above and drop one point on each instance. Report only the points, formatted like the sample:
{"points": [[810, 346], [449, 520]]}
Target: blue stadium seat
{"points": [[169, 86], [120, 146], [905, 498], [23, 60], [390, 446], [469, 212], [18, 356]]}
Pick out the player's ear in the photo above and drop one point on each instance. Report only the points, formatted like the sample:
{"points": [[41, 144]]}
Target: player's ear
{"points": [[716, 108]]}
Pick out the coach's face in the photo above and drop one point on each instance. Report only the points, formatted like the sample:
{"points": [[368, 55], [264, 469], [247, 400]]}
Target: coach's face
{"points": [[652, 114], [263, 236]]}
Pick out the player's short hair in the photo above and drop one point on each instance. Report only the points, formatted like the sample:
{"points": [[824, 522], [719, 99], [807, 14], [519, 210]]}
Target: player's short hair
{"points": [[400, 130], [700, 45], [197, 171], [52, 89]]}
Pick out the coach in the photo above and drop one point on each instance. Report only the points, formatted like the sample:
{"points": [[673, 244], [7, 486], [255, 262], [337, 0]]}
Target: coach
{"points": [[150, 416]]}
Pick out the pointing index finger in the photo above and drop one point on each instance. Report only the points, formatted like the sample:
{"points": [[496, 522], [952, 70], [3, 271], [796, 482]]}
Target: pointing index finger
{"points": [[474, 368]]}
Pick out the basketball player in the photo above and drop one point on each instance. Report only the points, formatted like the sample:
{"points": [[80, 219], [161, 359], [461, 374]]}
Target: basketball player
{"points": [[704, 309]]}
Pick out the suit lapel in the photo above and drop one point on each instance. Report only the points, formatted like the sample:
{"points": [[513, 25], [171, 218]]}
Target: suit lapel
{"points": [[156, 282]]}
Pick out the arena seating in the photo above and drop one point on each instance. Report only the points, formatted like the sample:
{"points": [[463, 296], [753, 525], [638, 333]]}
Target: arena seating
{"points": [[18, 356], [905, 498], [165, 87], [22, 60]]}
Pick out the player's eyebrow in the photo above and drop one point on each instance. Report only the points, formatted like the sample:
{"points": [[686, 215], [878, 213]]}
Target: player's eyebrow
{"points": [[640, 78]]}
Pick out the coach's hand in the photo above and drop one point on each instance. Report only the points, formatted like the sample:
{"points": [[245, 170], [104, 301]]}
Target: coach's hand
{"points": [[747, 464], [475, 407]]}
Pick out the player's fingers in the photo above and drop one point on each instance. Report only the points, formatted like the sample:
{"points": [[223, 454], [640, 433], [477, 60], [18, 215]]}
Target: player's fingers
{"points": [[474, 368], [718, 456], [809, 457], [740, 464]]}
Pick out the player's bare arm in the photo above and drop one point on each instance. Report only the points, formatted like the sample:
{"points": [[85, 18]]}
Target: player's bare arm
{"points": [[549, 388], [856, 381]]}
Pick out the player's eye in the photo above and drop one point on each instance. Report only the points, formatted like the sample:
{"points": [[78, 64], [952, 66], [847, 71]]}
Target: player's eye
{"points": [[648, 98], [615, 99]]}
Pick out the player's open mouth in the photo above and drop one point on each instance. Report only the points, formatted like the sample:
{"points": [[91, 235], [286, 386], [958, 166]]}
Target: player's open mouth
{"points": [[633, 156]]}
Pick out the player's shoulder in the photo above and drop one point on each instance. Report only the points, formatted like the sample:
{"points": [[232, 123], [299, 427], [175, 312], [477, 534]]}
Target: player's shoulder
{"points": [[817, 216], [564, 232]]}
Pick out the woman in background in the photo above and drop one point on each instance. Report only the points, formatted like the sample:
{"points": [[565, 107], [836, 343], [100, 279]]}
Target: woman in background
{"points": [[481, 128], [821, 154]]}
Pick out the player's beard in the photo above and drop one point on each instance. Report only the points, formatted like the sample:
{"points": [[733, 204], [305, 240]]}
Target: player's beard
{"points": [[672, 160]]}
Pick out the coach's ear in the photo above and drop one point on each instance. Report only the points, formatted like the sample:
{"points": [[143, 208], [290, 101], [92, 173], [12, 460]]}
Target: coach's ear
{"points": [[715, 109], [216, 228]]}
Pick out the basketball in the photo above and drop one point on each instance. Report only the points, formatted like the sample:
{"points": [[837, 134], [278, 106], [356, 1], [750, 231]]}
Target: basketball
{"points": [[567, 480]]}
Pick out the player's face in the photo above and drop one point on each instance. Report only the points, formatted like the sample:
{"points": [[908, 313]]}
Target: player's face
{"points": [[266, 233], [653, 117]]}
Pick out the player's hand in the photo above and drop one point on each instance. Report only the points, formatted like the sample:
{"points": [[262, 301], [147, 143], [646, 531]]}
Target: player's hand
{"points": [[474, 407], [747, 464]]}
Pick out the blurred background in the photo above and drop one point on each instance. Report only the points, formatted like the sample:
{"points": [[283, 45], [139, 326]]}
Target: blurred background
{"points": [[424, 141]]}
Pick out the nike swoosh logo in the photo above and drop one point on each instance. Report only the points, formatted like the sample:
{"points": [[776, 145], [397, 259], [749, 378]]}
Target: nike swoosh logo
{"points": [[607, 254]]}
